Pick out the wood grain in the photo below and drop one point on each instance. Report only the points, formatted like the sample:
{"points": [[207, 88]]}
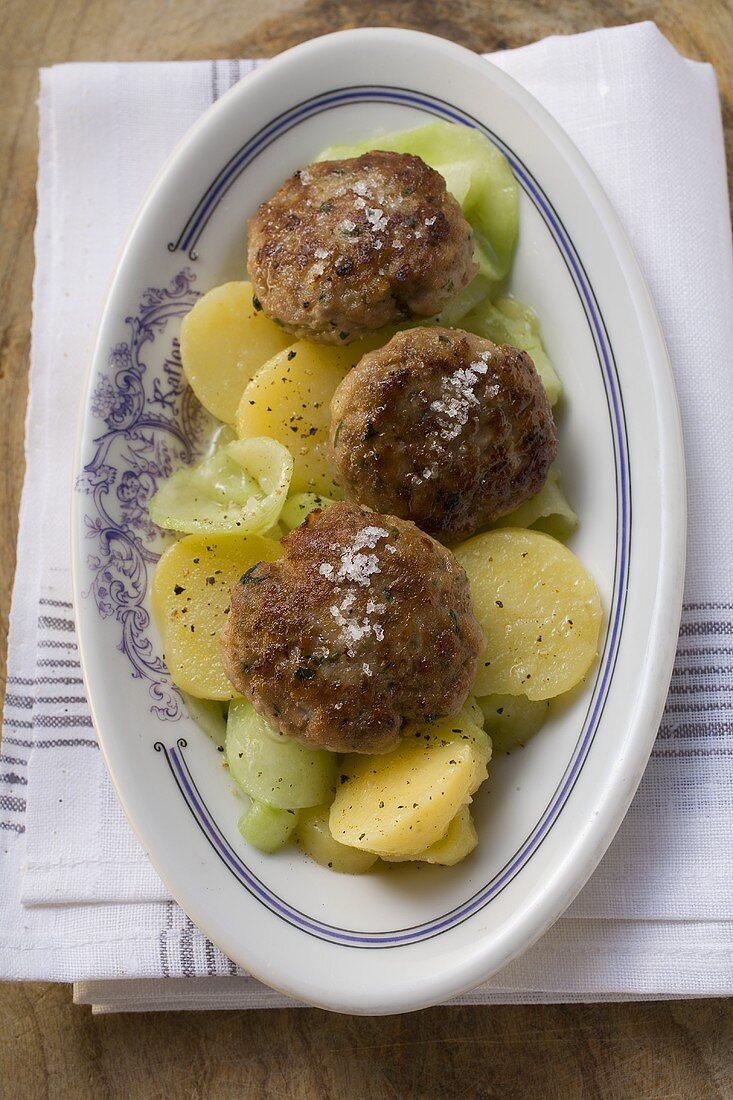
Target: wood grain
{"points": [[672, 1051], [48, 1048]]}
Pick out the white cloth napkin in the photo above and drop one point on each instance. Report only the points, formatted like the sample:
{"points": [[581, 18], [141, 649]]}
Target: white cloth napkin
{"points": [[78, 900]]}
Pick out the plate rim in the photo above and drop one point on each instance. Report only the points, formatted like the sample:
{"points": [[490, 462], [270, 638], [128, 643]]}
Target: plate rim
{"points": [[664, 621]]}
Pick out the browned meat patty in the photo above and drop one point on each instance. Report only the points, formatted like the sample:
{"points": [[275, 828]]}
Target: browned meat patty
{"points": [[362, 627], [443, 428], [347, 246]]}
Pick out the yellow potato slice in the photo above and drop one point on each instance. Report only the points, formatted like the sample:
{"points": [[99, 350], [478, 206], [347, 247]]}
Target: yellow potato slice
{"points": [[289, 398], [190, 598], [458, 842], [539, 609], [314, 837], [401, 803], [465, 727], [472, 709], [224, 340]]}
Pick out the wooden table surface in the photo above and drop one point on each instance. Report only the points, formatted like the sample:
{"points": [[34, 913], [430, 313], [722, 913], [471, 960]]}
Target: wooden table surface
{"points": [[47, 1046]]}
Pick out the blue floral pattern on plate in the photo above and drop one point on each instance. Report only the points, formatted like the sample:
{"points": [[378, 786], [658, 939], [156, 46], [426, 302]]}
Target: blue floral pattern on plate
{"points": [[153, 424]]}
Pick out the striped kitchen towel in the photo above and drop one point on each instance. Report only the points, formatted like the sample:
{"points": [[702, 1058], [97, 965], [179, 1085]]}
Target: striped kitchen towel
{"points": [[78, 899]]}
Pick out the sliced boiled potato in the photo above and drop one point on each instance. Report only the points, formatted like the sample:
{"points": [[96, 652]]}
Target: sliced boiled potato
{"points": [[472, 710], [539, 609], [224, 340], [459, 841], [466, 727], [401, 803], [190, 596], [289, 398], [316, 840], [510, 720]]}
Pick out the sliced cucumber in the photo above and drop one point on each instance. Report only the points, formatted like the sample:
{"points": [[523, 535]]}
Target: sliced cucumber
{"points": [[510, 720], [276, 769], [266, 827]]}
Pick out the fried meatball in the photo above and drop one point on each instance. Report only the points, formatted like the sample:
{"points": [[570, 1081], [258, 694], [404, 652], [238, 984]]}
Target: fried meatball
{"points": [[361, 628], [347, 246], [443, 428]]}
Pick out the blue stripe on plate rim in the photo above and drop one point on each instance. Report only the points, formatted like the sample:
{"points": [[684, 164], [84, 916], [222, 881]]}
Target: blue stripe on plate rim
{"points": [[173, 754]]}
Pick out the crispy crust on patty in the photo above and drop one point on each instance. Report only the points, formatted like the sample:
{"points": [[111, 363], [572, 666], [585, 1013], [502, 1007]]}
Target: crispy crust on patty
{"points": [[345, 247], [443, 428], [361, 628]]}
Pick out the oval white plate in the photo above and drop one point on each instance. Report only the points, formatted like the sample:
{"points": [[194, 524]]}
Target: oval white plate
{"points": [[415, 935]]}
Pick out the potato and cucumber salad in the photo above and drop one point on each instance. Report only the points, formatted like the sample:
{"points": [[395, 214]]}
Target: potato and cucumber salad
{"points": [[292, 370]]}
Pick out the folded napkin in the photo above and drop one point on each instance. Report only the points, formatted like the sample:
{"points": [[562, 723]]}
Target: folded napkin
{"points": [[78, 899]]}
